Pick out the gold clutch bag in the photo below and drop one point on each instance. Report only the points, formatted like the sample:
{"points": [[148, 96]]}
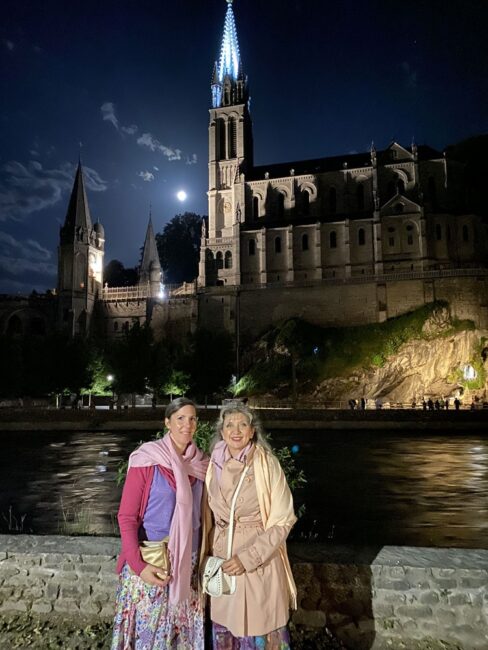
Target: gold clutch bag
{"points": [[156, 553]]}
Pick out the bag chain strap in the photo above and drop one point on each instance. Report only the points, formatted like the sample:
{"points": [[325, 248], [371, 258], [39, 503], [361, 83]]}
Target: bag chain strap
{"points": [[232, 509]]}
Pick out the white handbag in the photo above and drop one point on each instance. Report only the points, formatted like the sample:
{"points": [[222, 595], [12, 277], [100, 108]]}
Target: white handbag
{"points": [[214, 581]]}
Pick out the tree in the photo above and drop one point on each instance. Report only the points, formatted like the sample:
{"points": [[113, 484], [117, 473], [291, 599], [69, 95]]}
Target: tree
{"points": [[212, 362], [179, 247], [129, 359], [116, 275]]}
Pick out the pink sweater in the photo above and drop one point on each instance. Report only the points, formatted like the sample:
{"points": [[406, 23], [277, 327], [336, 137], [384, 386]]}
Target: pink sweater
{"points": [[135, 496]]}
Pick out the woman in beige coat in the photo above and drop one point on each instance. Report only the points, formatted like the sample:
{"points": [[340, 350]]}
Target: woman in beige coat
{"points": [[256, 615]]}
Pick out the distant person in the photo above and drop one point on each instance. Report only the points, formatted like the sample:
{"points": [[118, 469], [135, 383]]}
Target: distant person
{"points": [[363, 404], [430, 404], [473, 405], [447, 403], [255, 616], [437, 405], [160, 608], [442, 403], [457, 403], [352, 404], [414, 403], [424, 404]]}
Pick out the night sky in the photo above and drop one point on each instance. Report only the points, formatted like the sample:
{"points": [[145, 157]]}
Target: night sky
{"points": [[130, 81]]}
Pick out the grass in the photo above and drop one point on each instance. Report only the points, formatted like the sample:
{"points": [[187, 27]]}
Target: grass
{"points": [[324, 353]]}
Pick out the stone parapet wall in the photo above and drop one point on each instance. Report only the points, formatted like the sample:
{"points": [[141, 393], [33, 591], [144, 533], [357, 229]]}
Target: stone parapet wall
{"points": [[394, 597]]}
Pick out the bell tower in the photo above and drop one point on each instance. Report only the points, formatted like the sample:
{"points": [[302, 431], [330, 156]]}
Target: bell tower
{"points": [[80, 262], [230, 156]]}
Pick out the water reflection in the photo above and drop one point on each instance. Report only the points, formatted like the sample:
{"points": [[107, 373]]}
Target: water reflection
{"points": [[362, 488]]}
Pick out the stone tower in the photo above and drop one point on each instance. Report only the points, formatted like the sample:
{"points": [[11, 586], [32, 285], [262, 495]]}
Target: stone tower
{"points": [[80, 262], [230, 156], [150, 269]]}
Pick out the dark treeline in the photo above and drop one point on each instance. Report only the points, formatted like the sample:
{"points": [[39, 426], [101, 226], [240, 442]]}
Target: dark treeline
{"points": [[200, 365]]}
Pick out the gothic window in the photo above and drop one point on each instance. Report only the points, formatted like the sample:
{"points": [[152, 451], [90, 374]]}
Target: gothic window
{"points": [[210, 260], [360, 196], [400, 186], [252, 247], [280, 204], [391, 237], [438, 231], [333, 239], [232, 138], [305, 203], [305, 242], [409, 230], [228, 260], [219, 260], [361, 237], [277, 244], [332, 199], [465, 233], [220, 129], [255, 207]]}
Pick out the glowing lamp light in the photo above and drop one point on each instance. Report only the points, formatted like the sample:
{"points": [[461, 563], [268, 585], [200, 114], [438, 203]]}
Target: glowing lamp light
{"points": [[295, 449], [110, 377], [181, 195]]}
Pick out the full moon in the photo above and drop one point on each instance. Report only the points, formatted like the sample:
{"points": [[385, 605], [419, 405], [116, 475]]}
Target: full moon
{"points": [[181, 195]]}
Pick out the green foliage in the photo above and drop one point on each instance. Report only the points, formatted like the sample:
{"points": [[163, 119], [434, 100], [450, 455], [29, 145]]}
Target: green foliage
{"points": [[212, 361], [295, 477], [177, 384], [203, 436], [129, 359], [321, 353], [477, 363]]}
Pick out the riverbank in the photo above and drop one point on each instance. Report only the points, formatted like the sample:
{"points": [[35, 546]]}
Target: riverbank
{"points": [[399, 597], [150, 419]]}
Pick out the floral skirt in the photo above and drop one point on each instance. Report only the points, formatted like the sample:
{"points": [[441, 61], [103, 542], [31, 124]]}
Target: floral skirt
{"points": [[223, 639], [145, 619]]}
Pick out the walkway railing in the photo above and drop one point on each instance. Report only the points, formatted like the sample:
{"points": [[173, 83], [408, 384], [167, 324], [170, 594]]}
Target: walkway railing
{"points": [[141, 292]]}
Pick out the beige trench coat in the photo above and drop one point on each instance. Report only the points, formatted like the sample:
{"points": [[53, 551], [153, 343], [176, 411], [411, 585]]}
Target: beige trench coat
{"points": [[263, 518]]}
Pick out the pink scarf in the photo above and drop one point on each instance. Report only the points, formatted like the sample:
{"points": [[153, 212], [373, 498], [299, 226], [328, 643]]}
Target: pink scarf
{"points": [[221, 454], [193, 462]]}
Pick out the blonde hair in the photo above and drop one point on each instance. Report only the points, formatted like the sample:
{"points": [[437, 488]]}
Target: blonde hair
{"points": [[259, 436]]}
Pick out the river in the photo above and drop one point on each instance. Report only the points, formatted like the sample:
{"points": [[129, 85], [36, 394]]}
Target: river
{"points": [[363, 488]]}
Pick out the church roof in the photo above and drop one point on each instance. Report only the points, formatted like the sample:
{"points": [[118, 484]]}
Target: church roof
{"points": [[230, 59], [78, 213], [332, 163], [150, 254]]}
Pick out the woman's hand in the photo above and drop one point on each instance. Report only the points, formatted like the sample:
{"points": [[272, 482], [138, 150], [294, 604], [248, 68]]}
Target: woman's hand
{"points": [[150, 576], [233, 567]]}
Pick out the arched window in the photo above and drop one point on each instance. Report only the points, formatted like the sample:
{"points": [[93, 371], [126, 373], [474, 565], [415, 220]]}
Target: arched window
{"points": [[232, 138], [305, 203], [305, 242], [465, 233], [361, 237], [438, 231], [280, 204], [409, 230], [333, 239], [210, 260], [228, 260], [400, 186], [252, 247], [332, 199], [391, 237], [219, 260], [255, 207], [360, 196], [277, 244], [116, 326], [14, 326], [220, 144]]}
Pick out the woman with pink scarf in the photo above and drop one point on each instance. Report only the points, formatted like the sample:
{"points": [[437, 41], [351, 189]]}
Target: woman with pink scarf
{"points": [[255, 616], [162, 496]]}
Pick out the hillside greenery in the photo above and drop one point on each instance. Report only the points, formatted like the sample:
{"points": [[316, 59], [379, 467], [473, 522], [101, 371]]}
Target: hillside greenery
{"points": [[309, 353]]}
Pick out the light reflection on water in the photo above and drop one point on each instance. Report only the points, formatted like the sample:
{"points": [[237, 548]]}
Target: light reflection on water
{"points": [[363, 488]]}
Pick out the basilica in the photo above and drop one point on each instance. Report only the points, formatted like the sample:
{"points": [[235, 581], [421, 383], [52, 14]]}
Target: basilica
{"points": [[337, 240]]}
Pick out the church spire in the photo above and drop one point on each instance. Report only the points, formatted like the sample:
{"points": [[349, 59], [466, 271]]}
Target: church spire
{"points": [[229, 84], [150, 269], [78, 214]]}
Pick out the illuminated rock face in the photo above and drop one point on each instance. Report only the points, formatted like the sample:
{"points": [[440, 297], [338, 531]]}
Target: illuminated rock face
{"points": [[421, 368]]}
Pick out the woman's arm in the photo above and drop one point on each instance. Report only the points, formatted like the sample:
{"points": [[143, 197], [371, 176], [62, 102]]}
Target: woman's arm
{"points": [[128, 516]]}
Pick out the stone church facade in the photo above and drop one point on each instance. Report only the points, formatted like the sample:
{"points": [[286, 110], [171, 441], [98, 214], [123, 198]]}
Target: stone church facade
{"points": [[337, 241]]}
